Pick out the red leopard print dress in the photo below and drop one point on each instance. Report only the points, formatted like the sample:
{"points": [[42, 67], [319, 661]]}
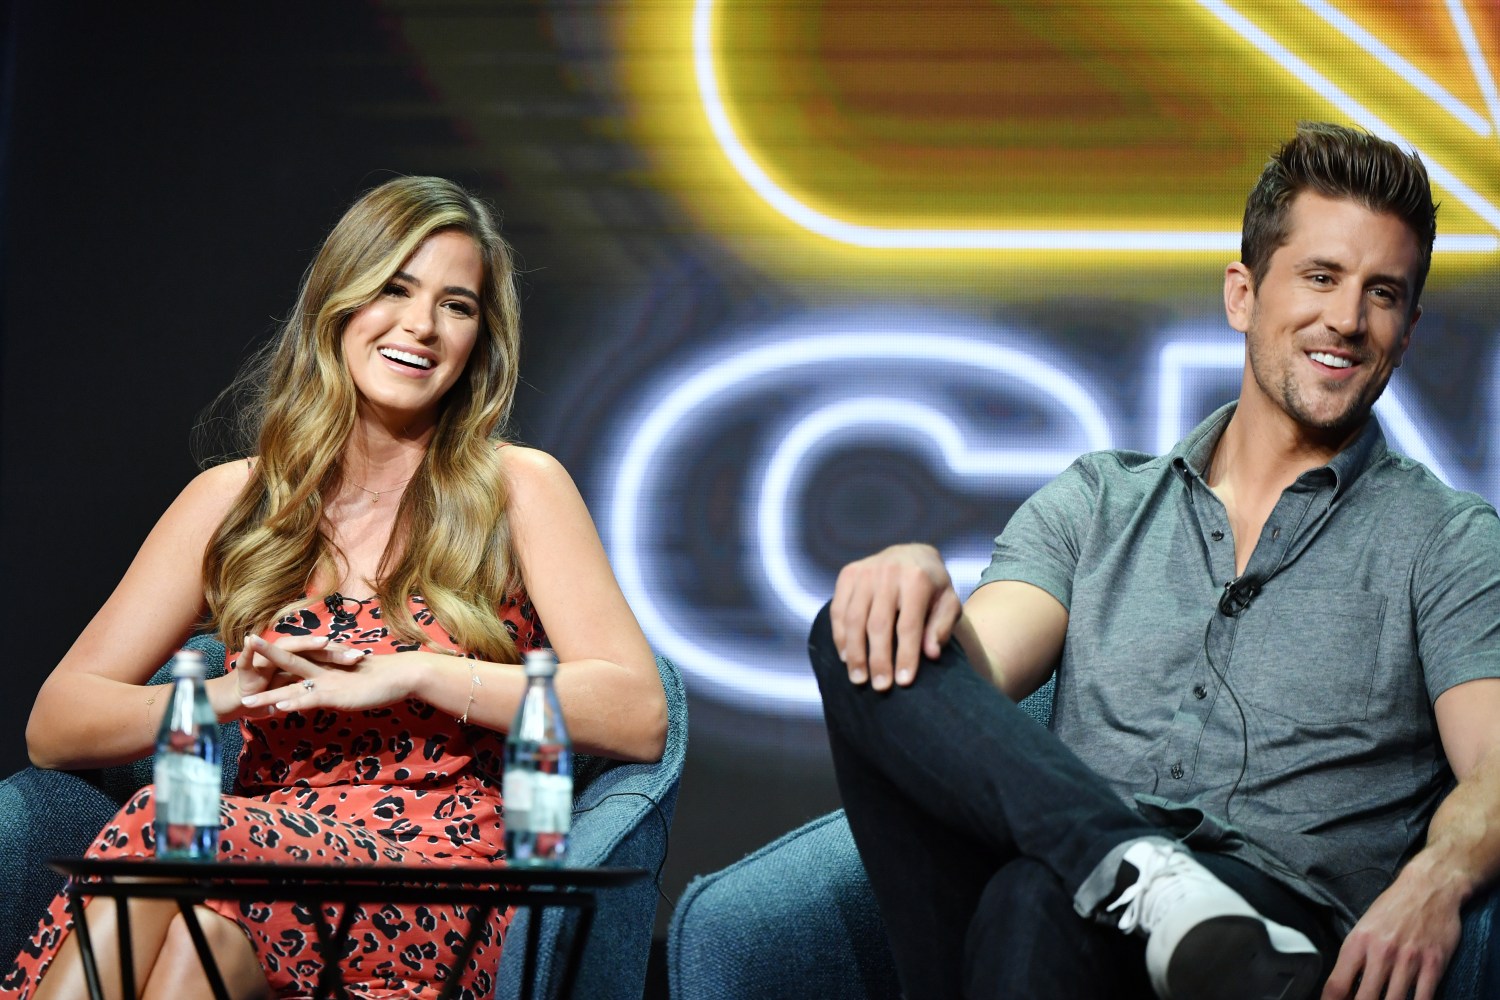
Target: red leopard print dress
{"points": [[404, 784]]}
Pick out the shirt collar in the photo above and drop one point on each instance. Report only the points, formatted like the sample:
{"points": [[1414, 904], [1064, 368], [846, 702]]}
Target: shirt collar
{"points": [[1193, 453]]}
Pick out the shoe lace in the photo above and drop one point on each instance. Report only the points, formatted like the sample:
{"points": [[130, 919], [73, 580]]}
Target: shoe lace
{"points": [[1166, 877]]}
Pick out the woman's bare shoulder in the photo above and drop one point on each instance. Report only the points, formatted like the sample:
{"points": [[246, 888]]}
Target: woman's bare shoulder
{"points": [[536, 484], [233, 474], [211, 493], [517, 461]]}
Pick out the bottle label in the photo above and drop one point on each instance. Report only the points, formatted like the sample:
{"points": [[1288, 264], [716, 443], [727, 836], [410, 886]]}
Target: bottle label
{"points": [[537, 802], [552, 803], [517, 791], [187, 790]]}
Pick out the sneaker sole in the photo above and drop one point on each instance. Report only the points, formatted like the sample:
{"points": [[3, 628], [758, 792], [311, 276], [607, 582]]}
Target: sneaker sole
{"points": [[1234, 958]]}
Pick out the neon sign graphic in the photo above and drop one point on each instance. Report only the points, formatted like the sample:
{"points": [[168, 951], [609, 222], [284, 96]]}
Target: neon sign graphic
{"points": [[876, 418], [750, 170], [1196, 367], [646, 460], [1363, 116], [1398, 64]]}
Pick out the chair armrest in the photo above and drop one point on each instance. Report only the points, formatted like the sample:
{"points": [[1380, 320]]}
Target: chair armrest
{"points": [[47, 814], [1474, 971], [1038, 704], [43, 814], [797, 918], [621, 818]]}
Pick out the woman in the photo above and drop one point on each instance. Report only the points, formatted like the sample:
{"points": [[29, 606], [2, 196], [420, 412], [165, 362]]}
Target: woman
{"points": [[380, 530]]}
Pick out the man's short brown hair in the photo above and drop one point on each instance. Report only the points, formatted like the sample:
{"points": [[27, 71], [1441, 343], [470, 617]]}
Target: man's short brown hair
{"points": [[1338, 162]]}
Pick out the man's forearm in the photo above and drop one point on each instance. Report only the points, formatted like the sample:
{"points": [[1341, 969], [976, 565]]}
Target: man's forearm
{"points": [[978, 657], [1462, 853], [1012, 632], [1410, 932]]}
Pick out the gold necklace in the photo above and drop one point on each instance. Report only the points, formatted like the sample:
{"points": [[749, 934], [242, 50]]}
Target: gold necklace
{"points": [[375, 494]]}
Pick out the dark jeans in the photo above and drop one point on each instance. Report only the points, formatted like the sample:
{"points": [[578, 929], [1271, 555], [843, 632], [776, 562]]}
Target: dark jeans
{"points": [[976, 827]]}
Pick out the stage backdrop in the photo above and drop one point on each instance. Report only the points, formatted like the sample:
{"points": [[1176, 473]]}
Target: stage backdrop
{"points": [[802, 278]]}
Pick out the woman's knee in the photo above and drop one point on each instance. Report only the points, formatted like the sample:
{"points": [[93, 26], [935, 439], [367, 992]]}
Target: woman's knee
{"points": [[179, 970]]}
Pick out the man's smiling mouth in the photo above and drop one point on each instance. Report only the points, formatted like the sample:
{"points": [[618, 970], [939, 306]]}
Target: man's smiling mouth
{"points": [[1331, 360]]}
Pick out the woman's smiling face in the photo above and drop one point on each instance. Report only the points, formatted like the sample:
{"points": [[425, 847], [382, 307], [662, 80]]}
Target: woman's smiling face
{"points": [[408, 346]]}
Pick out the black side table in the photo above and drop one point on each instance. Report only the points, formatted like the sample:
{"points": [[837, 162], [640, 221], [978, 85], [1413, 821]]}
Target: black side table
{"points": [[193, 882]]}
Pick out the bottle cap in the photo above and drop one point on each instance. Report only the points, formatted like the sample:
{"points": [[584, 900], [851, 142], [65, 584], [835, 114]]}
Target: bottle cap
{"points": [[188, 663], [541, 663]]}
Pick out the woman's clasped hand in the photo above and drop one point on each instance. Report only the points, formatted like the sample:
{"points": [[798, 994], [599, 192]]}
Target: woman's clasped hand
{"points": [[306, 672]]}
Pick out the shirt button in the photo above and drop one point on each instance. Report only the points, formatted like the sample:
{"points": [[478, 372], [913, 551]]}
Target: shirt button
{"points": [[1217, 535], [1200, 692], [1177, 771]]}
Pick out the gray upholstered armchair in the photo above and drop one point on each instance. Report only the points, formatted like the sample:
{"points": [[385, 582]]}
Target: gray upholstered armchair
{"points": [[797, 919]]}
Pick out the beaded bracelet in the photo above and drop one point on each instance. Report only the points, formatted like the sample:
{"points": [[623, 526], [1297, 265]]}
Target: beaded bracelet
{"points": [[474, 682]]}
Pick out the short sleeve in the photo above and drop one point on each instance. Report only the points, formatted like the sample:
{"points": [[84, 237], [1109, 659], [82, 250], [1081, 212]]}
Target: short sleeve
{"points": [[1456, 593], [1041, 543]]}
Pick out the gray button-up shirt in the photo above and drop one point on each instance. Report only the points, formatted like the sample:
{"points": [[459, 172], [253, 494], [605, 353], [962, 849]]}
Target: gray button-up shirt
{"points": [[1297, 732]]}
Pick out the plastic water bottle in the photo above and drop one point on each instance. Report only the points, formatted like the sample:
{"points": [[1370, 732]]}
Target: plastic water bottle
{"points": [[187, 767], [538, 771]]}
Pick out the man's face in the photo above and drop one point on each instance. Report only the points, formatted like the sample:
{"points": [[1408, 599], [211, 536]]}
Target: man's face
{"points": [[1332, 316]]}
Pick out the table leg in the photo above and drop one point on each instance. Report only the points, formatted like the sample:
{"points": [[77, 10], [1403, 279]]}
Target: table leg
{"points": [[205, 954], [331, 979], [85, 943], [127, 948], [478, 901], [580, 939]]}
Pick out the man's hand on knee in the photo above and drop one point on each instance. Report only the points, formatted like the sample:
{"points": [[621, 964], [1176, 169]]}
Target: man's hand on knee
{"points": [[1400, 947], [891, 609]]}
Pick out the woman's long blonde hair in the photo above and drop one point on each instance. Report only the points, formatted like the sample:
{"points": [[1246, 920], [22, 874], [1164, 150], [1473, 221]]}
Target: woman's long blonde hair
{"points": [[451, 542]]}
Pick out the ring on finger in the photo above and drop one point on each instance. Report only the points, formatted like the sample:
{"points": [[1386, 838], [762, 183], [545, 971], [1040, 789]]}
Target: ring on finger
{"points": [[307, 685]]}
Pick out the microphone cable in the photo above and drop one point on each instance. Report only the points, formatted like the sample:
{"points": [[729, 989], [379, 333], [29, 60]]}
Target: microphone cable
{"points": [[666, 835], [1234, 700]]}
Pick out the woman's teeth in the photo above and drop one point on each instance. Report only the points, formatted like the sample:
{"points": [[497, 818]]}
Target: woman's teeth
{"points": [[404, 358]]}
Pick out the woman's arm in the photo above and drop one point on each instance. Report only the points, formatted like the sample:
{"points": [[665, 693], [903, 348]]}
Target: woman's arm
{"points": [[94, 709], [607, 680]]}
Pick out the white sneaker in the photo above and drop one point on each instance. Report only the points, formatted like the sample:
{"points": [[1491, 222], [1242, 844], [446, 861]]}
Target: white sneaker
{"points": [[1203, 940]]}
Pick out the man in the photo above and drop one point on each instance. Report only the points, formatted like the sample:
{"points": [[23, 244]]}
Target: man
{"points": [[1275, 648]]}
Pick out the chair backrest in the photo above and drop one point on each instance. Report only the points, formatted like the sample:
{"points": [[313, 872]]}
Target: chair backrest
{"points": [[1038, 704]]}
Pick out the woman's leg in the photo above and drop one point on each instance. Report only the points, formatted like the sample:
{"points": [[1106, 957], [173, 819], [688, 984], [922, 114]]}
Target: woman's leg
{"points": [[179, 973], [166, 963], [149, 920]]}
